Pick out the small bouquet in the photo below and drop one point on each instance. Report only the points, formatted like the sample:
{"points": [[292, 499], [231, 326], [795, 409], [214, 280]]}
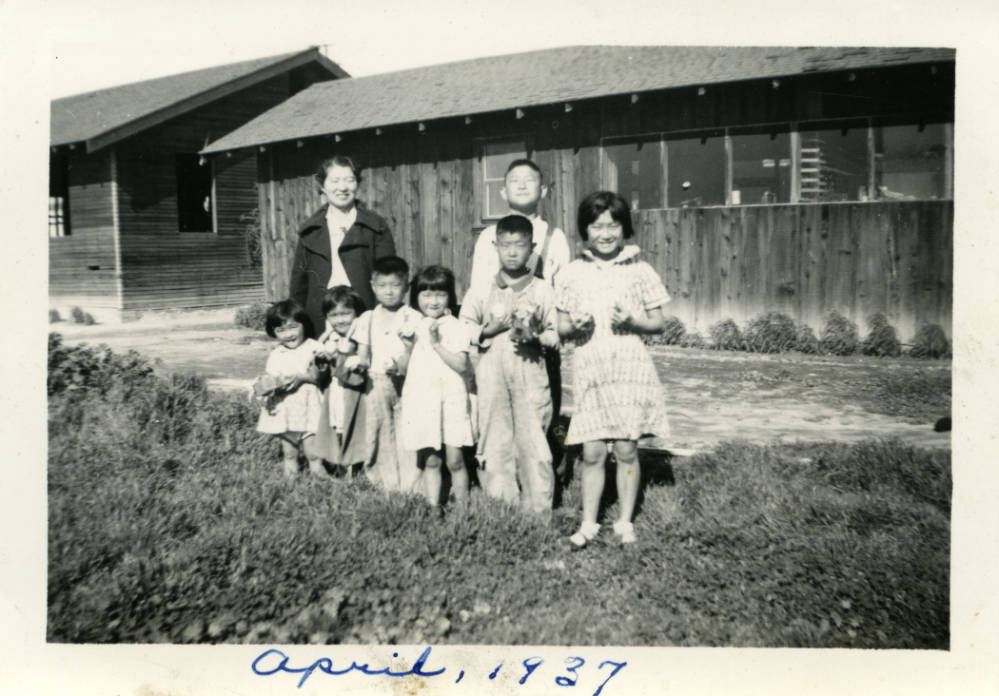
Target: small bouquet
{"points": [[526, 323], [408, 328], [265, 386]]}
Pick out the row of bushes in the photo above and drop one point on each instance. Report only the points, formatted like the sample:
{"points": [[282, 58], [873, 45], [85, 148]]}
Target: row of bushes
{"points": [[774, 332], [76, 315]]}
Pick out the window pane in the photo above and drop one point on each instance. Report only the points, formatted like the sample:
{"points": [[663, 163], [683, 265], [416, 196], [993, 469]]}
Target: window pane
{"points": [[498, 154], [696, 171], [495, 206], [909, 163], [834, 165], [194, 194], [634, 170], [761, 168]]}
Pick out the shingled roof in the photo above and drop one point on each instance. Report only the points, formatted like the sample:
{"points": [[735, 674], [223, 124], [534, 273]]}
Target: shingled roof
{"points": [[104, 116], [540, 77]]}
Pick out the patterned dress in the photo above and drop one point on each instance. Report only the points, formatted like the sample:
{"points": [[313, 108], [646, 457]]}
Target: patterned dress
{"points": [[616, 391], [297, 412]]}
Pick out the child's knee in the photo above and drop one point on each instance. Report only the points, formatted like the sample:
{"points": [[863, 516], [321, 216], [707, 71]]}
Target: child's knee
{"points": [[626, 451]]}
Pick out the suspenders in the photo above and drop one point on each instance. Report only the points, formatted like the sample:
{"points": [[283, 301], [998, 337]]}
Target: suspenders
{"points": [[537, 261]]}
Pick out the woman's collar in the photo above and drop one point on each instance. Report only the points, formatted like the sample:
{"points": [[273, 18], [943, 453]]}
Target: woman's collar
{"points": [[628, 253]]}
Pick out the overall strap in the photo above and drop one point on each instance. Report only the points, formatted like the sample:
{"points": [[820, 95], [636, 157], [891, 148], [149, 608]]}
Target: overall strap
{"points": [[537, 261]]}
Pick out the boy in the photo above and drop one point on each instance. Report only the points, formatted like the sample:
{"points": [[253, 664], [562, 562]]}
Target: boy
{"points": [[514, 319], [523, 189], [384, 340]]}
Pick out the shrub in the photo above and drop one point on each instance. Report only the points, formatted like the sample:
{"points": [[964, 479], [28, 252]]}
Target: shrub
{"points": [[691, 340], [54, 316], [930, 342], [725, 335], [772, 332], [673, 331], [839, 335], [882, 340], [805, 340], [252, 316], [82, 368], [78, 316]]}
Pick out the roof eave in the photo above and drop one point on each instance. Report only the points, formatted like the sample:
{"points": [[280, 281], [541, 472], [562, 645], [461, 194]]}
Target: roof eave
{"points": [[198, 100]]}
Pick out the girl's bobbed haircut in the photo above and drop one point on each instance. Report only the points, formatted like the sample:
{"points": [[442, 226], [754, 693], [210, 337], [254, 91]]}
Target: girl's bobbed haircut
{"points": [[342, 295], [434, 278], [339, 161], [284, 311], [594, 205]]}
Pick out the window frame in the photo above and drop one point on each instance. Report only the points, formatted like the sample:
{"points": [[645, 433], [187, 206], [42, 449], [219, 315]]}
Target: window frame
{"points": [[60, 223], [480, 182]]}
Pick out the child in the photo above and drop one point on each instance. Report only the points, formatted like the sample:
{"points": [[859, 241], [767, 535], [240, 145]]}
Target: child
{"points": [[523, 190], [379, 334], [514, 320], [606, 300], [290, 399], [436, 408], [340, 437]]}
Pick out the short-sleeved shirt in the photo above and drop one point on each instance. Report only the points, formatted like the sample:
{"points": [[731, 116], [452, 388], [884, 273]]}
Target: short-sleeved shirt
{"points": [[379, 328], [289, 362]]}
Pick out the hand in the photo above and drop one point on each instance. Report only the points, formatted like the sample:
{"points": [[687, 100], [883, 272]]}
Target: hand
{"points": [[581, 322], [324, 358], [548, 339], [434, 331], [620, 317], [497, 325]]}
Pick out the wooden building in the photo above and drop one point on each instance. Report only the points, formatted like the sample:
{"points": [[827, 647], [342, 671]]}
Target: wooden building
{"points": [[794, 179], [138, 219]]}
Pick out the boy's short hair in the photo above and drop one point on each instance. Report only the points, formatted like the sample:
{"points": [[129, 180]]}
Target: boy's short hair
{"points": [[515, 224], [594, 205], [391, 265], [285, 311], [524, 162], [342, 295]]}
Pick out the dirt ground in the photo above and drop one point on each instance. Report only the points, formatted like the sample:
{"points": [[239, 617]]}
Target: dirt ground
{"points": [[712, 396]]}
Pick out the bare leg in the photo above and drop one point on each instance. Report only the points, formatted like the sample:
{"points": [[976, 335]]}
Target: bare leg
{"points": [[629, 474], [289, 454], [459, 475], [312, 455], [432, 478], [594, 455]]}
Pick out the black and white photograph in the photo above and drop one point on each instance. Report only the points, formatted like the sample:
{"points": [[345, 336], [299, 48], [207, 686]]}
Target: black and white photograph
{"points": [[504, 349]]}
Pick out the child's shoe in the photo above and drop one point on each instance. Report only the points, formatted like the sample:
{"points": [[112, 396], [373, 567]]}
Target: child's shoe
{"points": [[626, 531], [587, 532]]}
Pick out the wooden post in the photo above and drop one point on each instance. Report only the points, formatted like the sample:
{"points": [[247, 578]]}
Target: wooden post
{"points": [[795, 164], [872, 194], [728, 169]]}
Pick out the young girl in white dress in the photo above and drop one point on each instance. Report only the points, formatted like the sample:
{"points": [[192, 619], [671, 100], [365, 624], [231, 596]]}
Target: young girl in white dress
{"points": [[287, 392], [606, 300], [437, 418], [340, 436]]}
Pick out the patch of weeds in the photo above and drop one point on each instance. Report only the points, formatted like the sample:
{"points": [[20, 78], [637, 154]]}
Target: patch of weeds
{"points": [[882, 340], [919, 395], [772, 332], [691, 340], [930, 342], [54, 316], [725, 335], [805, 340], [673, 330], [78, 316], [252, 316], [839, 335]]}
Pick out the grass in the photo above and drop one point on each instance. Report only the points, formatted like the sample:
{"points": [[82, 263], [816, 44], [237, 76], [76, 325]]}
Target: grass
{"points": [[169, 522]]}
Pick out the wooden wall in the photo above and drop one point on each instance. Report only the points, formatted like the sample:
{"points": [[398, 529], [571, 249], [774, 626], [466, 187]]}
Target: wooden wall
{"points": [[82, 265], [718, 262]]}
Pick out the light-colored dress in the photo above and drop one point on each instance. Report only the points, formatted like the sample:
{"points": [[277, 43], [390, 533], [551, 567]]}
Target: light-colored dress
{"points": [[298, 411], [436, 407], [616, 391], [340, 435]]}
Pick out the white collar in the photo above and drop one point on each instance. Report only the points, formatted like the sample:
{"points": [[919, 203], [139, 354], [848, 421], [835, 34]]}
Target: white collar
{"points": [[628, 254]]}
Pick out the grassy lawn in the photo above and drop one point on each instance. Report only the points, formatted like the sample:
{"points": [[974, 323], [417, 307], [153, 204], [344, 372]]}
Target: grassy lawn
{"points": [[169, 522]]}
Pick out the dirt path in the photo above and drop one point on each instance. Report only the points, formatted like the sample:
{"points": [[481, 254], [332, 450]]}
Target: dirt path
{"points": [[712, 396]]}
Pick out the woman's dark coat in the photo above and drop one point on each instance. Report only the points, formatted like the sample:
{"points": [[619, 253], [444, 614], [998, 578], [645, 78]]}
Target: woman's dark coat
{"points": [[368, 239]]}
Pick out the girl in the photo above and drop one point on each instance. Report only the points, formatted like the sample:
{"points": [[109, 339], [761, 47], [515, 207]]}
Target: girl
{"points": [[340, 435], [437, 414], [605, 301], [290, 399]]}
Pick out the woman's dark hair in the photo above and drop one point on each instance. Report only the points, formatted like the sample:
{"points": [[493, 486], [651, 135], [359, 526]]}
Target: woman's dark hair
{"points": [[596, 203], [339, 161], [434, 278], [284, 311], [342, 295]]}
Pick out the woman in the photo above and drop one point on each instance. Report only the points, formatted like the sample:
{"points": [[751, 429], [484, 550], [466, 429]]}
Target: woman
{"points": [[357, 235]]}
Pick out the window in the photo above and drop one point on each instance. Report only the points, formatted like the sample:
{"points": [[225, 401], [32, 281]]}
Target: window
{"points": [[496, 157], [635, 170], [58, 196], [913, 161], [834, 164], [194, 194], [696, 168], [761, 168]]}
